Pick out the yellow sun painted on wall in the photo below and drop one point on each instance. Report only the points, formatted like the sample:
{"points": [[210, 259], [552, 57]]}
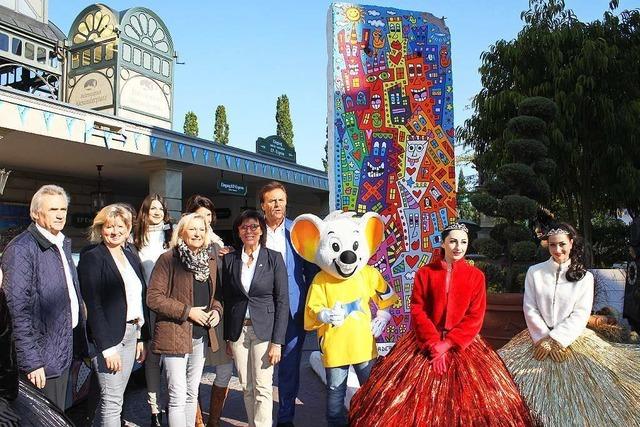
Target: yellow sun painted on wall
{"points": [[353, 14]]}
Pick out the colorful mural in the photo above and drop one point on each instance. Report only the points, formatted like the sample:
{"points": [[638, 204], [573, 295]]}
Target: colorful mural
{"points": [[391, 105]]}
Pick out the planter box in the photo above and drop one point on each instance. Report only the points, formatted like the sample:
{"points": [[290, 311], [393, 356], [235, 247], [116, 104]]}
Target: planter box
{"points": [[503, 318]]}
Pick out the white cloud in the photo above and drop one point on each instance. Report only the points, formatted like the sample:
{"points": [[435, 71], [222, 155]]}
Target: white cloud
{"points": [[376, 23], [390, 12], [373, 12]]}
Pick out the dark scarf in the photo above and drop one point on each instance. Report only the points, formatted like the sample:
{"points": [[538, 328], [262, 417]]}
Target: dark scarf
{"points": [[197, 263]]}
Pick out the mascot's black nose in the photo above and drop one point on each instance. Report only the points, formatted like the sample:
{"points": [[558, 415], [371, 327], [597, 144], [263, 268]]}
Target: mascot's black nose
{"points": [[348, 257]]}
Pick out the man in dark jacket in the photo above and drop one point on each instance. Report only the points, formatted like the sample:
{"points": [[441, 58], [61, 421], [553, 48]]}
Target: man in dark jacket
{"points": [[43, 296]]}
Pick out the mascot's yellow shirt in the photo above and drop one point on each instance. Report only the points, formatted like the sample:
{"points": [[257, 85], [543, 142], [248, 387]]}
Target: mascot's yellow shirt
{"points": [[352, 342]]}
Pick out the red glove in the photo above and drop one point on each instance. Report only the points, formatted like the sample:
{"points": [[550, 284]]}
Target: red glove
{"points": [[440, 364], [440, 348]]}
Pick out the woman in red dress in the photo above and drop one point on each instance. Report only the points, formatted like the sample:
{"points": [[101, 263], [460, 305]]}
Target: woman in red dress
{"points": [[442, 373]]}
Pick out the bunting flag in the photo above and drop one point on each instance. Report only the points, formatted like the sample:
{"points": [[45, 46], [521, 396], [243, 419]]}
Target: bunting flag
{"points": [[216, 158], [136, 139], [181, 148], [205, 154], [167, 146], [22, 111], [70, 121], [88, 130], [107, 138], [47, 115], [194, 153]]}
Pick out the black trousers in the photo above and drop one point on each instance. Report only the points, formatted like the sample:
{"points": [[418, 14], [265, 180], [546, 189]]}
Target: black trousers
{"points": [[55, 389]]}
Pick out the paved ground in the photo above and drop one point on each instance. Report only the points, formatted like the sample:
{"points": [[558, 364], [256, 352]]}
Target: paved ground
{"points": [[310, 407]]}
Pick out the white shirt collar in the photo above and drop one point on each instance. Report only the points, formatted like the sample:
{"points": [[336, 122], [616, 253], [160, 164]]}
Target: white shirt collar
{"points": [[245, 257], [56, 239], [564, 266]]}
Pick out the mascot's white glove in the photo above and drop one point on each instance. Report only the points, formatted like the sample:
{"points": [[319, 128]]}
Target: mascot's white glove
{"points": [[379, 322], [333, 316]]}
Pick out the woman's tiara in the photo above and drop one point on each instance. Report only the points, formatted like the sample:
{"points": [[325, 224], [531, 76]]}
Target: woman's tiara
{"points": [[556, 231], [456, 226]]}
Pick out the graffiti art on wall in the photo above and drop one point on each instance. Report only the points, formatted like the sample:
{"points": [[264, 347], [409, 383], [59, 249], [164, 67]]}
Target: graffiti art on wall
{"points": [[391, 105]]}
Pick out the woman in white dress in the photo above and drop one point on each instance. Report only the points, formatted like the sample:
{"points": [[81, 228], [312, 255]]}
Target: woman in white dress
{"points": [[566, 373]]}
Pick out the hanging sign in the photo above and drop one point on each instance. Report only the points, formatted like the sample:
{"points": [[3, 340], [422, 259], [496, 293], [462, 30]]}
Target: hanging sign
{"points": [[274, 146], [234, 188]]}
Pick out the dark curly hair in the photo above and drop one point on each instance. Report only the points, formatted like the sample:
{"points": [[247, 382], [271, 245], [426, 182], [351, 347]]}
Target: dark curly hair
{"points": [[577, 269]]}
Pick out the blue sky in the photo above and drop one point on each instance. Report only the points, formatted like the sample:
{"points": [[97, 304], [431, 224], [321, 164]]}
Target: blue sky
{"points": [[244, 54]]}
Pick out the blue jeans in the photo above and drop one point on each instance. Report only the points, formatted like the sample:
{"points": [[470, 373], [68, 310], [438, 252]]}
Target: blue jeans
{"points": [[337, 390]]}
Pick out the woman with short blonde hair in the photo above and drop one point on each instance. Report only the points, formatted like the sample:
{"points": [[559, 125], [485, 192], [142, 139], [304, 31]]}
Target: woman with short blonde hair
{"points": [[113, 287], [106, 214]]}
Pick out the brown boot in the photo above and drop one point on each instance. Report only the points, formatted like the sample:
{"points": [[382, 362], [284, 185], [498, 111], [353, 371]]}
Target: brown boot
{"points": [[218, 396], [199, 420]]}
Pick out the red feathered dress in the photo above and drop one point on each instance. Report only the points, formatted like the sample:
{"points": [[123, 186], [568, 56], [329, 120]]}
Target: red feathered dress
{"points": [[476, 389]]}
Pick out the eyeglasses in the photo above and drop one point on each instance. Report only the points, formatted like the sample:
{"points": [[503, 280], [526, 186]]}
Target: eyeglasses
{"points": [[247, 227]]}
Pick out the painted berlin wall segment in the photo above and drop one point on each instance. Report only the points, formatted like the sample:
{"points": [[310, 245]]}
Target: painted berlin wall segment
{"points": [[392, 133]]}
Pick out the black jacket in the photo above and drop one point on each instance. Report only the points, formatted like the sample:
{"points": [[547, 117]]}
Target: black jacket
{"points": [[104, 294], [267, 299]]}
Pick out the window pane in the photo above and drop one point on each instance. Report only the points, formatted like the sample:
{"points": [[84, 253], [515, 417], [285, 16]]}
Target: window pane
{"points": [[109, 52], [54, 60], [126, 52], [75, 60], [97, 54], [29, 50], [16, 46], [137, 56], [156, 64], [146, 60], [42, 55], [86, 57], [4, 42], [165, 68]]}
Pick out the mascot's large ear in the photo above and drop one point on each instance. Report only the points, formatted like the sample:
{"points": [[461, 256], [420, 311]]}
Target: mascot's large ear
{"points": [[373, 228], [305, 236]]}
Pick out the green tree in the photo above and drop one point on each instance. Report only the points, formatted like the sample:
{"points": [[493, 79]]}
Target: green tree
{"points": [[590, 71], [465, 208], [517, 190], [221, 127], [190, 124], [284, 125]]}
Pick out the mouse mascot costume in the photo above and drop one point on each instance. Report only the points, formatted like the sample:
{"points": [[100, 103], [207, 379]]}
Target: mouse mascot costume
{"points": [[339, 296]]}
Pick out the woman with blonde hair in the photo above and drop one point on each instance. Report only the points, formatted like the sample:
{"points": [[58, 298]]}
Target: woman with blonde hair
{"points": [[182, 294], [220, 359], [112, 284]]}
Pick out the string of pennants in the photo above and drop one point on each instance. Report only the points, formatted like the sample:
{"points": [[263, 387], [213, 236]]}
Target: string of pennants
{"points": [[233, 163], [226, 161]]}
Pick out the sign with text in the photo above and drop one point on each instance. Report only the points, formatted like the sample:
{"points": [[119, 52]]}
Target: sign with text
{"points": [[274, 146], [227, 187]]}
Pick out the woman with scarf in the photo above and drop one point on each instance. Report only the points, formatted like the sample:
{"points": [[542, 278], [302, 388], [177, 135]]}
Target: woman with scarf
{"points": [[181, 293], [220, 359], [442, 373]]}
